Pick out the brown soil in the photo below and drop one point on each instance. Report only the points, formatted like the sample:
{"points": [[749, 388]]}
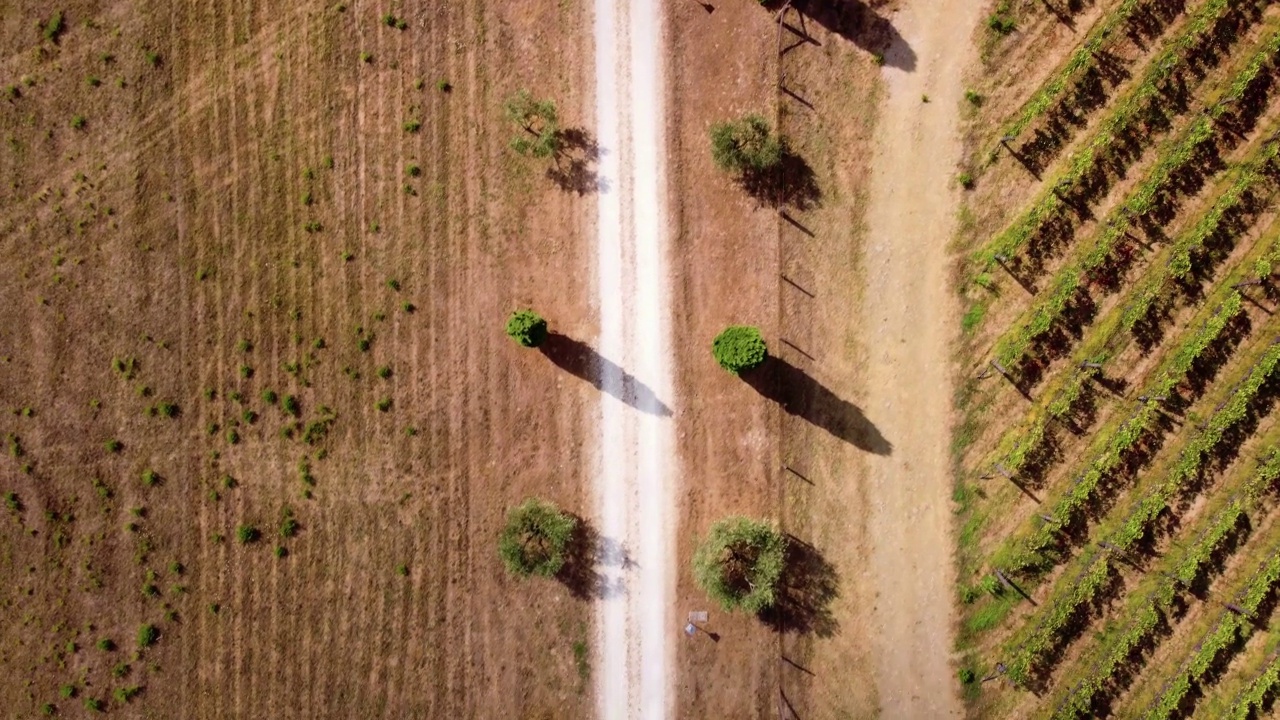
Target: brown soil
{"points": [[817, 463], [185, 234]]}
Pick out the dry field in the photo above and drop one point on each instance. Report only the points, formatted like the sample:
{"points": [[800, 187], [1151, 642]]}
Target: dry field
{"points": [[255, 258], [237, 214], [1117, 459]]}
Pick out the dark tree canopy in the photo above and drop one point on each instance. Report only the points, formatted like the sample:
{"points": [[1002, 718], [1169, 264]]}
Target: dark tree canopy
{"points": [[539, 125], [740, 564], [745, 145], [739, 348], [536, 539], [527, 328]]}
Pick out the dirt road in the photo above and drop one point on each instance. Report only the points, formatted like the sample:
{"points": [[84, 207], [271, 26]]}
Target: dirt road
{"points": [[637, 467], [909, 323]]}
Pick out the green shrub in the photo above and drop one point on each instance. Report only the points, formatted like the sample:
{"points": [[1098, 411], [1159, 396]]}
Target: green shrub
{"points": [[113, 445], [1001, 24], [535, 540], [739, 348], [538, 125], [54, 28], [288, 523], [991, 584], [974, 98], [233, 437], [147, 636], [125, 694], [746, 144], [92, 704], [383, 404], [47, 709], [291, 405], [120, 670], [967, 676], [150, 478], [246, 534], [412, 125], [413, 170], [383, 372], [280, 551], [966, 180], [444, 86], [67, 691], [740, 563], [527, 328], [402, 570], [169, 410], [78, 122], [106, 645]]}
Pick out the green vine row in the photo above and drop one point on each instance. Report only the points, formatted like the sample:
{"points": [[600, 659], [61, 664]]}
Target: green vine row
{"points": [[1126, 116], [1233, 627], [1032, 646]]}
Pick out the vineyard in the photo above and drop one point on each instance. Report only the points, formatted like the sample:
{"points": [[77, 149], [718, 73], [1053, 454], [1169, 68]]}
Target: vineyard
{"points": [[1118, 457]]}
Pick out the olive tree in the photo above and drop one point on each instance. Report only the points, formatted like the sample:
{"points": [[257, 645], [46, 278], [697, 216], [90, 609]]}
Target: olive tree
{"points": [[739, 348], [536, 538], [745, 145], [538, 123], [527, 328], [740, 563]]}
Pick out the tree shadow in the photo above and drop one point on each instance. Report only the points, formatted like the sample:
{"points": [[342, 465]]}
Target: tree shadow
{"points": [[791, 182], [575, 163], [588, 557], [581, 360], [808, 586], [859, 23], [801, 395]]}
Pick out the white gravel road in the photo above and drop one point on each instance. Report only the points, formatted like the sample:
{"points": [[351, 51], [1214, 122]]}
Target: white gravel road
{"points": [[637, 469]]}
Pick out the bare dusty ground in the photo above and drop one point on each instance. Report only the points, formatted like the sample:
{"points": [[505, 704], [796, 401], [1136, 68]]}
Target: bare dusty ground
{"points": [[171, 225], [908, 324], [739, 261]]}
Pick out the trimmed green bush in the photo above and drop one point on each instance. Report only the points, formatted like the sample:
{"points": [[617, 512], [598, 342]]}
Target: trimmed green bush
{"points": [[739, 348], [740, 563], [527, 328], [536, 539], [746, 144]]}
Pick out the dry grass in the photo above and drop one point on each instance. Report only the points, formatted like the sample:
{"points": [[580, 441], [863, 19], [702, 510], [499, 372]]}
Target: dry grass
{"points": [[223, 187]]}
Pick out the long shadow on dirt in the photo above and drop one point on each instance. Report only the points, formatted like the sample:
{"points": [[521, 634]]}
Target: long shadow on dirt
{"points": [[801, 395], [859, 23], [576, 162], [790, 183], [581, 360], [589, 555], [809, 584]]}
